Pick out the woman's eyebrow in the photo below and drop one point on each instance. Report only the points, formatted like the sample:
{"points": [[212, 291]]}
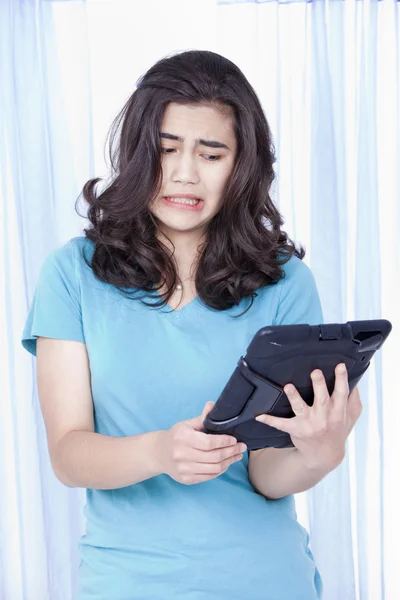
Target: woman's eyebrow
{"points": [[208, 143]]}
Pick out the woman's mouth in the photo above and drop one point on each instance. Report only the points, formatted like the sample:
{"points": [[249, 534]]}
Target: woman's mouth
{"points": [[183, 203]]}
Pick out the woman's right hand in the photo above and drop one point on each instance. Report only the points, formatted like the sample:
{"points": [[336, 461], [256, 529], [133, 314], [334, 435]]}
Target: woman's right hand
{"points": [[191, 456]]}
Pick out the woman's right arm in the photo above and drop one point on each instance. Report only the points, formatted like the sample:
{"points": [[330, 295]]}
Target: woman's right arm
{"points": [[79, 456], [82, 458]]}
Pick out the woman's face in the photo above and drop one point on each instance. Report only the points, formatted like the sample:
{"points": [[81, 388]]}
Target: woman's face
{"points": [[198, 154]]}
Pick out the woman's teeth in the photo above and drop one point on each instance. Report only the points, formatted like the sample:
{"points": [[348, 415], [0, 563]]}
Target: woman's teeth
{"points": [[183, 201]]}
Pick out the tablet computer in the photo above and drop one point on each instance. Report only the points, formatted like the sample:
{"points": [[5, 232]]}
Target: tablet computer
{"points": [[285, 354]]}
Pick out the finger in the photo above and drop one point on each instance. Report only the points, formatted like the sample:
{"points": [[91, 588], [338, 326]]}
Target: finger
{"points": [[341, 391], [215, 468], [299, 407], [354, 408], [286, 425], [198, 479], [207, 409], [218, 455], [211, 441], [198, 422], [322, 399], [201, 478]]}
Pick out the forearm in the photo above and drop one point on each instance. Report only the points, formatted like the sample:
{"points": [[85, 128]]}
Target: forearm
{"points": [[91, 460], [285, 473]]}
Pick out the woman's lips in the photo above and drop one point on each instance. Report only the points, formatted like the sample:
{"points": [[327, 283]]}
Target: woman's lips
{"points": [[182, 206]]}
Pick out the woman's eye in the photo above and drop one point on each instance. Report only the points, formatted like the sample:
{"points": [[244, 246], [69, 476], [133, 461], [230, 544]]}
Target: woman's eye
{"points": [[212, 157], [209, 157]]}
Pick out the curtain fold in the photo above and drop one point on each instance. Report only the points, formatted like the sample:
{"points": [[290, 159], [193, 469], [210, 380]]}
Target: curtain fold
{"points": [[45, 152], [329, 508], [368, 302]]}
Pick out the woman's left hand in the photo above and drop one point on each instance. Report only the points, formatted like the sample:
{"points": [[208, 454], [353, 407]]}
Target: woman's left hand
{"points": [[319, 432]]}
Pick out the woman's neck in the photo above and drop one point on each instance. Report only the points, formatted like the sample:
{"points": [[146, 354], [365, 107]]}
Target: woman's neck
{"points": [[186, 248], [186, 253]]}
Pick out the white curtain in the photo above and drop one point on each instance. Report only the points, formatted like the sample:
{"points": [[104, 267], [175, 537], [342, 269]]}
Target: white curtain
{"points": [[45, 155], [327, 74]]}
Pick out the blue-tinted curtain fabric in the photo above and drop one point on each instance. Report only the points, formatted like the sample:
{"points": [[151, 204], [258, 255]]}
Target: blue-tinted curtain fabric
{"points": [[327, 74], [45, 153]]}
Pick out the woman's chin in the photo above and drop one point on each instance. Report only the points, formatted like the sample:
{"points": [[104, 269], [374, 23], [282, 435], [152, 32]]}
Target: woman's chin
{"points": [[181, 226]]}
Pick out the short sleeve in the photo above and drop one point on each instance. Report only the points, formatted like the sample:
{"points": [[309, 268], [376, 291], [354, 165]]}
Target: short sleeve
{"points": [[299, 301], [55, 311]]}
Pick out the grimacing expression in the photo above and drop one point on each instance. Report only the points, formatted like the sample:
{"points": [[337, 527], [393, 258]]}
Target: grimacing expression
{"points": [[198, 155]]}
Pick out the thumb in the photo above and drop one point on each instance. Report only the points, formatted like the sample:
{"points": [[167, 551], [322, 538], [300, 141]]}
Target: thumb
{"points": [[197, 422]]}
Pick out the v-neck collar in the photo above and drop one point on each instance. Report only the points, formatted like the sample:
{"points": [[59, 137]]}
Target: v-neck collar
{"points": [[178, 310], [184, 313]]}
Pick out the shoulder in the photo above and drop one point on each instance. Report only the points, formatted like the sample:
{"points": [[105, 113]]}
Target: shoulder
{"points": [[65, 266], [55, 310], [297, 298], [296, 273], [67, 256], [71, 249]]}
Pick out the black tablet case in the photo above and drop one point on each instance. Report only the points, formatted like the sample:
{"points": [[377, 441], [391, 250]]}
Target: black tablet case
{"points": [[288, 354]]}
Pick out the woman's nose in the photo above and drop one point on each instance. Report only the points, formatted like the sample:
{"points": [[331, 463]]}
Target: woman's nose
{"points": [[185, 169]]}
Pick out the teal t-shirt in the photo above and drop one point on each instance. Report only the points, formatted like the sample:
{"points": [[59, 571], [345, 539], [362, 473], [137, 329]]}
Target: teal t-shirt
{"points": [[150, 368]]}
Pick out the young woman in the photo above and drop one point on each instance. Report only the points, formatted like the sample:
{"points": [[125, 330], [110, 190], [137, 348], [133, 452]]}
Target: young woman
{"points": [[138, 325]]}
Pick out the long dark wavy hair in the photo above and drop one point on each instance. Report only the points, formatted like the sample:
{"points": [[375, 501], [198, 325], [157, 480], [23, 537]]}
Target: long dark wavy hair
{"points": [[245, 247]]}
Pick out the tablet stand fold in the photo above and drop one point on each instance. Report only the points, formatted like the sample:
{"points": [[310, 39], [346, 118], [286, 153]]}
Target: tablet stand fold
{"points": [[262, 400]]}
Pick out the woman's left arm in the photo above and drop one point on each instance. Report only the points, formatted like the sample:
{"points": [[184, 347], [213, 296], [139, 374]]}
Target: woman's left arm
{"points": [[319, 435]]}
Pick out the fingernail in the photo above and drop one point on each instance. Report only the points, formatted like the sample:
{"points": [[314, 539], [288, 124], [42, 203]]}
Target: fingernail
{"points": [[260, 418], [342, 368]]}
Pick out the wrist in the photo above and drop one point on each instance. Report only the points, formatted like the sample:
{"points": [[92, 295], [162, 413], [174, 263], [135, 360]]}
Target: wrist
{"points": [[157, 452]]}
